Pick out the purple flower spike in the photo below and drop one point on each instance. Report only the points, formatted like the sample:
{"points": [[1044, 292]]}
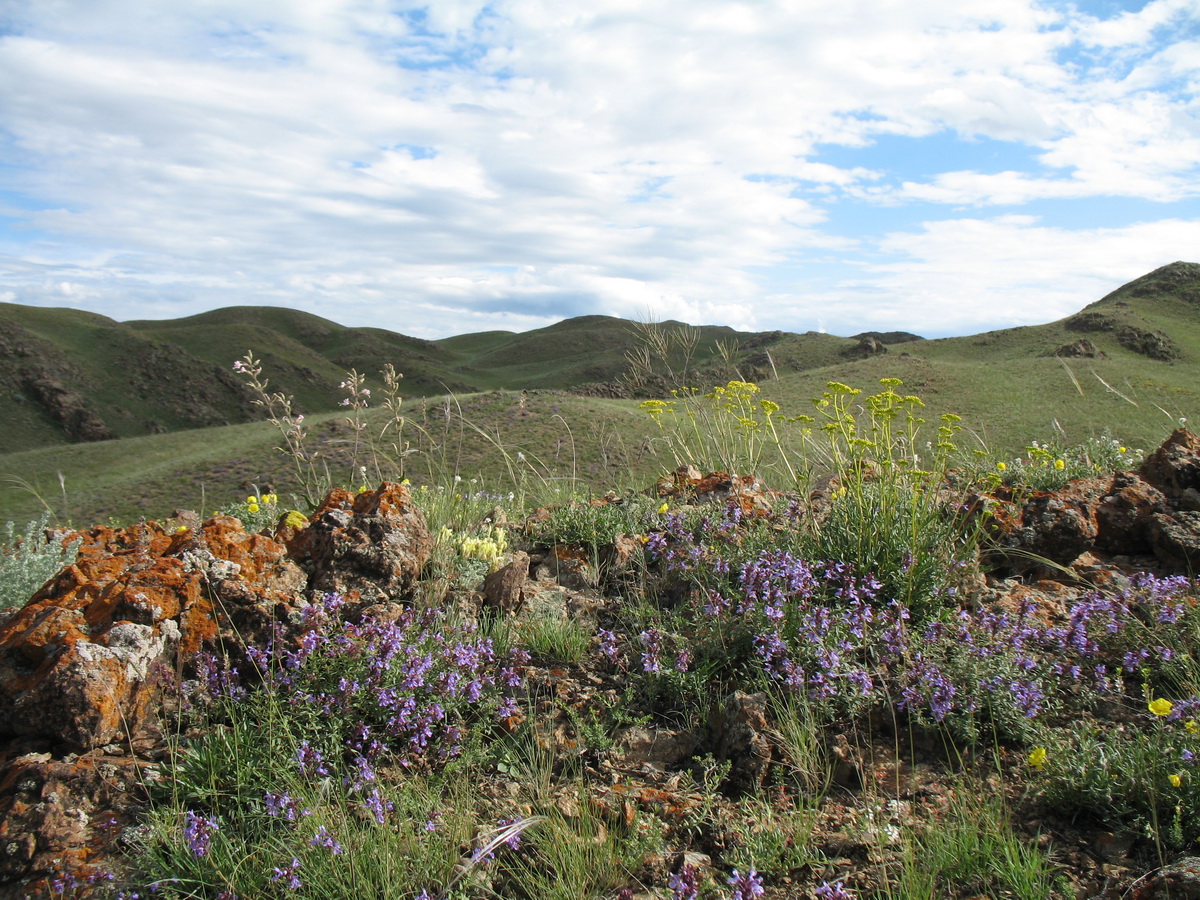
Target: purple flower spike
{"points": [[198, 832], [685, 884], [745, 887]]}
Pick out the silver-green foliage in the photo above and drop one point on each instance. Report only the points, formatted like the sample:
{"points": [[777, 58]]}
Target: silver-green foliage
{"points": [[28, 560]]}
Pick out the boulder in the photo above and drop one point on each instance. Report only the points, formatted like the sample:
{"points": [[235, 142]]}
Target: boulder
{"points": [[739, 733], [1125, 512], [1175, 466], [1050, 527], [503, 590], [368, 547], [90, 666], [81, 664]]}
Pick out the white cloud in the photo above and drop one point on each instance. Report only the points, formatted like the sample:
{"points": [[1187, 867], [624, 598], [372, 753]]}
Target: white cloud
{"points": [[964, 275], [433, 168]]}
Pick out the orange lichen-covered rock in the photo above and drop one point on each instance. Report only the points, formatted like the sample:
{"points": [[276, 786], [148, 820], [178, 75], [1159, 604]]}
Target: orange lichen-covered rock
{"points": [[84, 665], [368, 547], [62, 816], [78, 663]]}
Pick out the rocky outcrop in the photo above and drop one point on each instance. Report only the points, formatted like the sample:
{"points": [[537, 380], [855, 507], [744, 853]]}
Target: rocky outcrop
{"points": [[90, 666], [1090, 321], [1152, 512], [65, 406], [866, 346], [1147, 343], [368, 547], [81, 664], [739, 733], [688, 485], [1081, 349]]}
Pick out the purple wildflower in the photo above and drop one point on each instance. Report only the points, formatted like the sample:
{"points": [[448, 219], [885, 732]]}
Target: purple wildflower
{"points": [[608, 646], [198, 832], [835, 891], [685, 884], [745, 887], [291, 873], [652, 642], [324, 839]]}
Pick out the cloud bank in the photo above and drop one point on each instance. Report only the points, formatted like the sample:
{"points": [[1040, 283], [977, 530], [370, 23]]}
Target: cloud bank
{"points": [[942, 167]]}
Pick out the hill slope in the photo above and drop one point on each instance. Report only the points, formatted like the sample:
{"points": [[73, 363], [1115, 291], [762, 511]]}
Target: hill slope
{"points": [[1128, 365], [68, 376]]}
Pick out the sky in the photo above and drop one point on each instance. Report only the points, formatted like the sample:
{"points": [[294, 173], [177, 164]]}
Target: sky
{"points": [[937, 166]]}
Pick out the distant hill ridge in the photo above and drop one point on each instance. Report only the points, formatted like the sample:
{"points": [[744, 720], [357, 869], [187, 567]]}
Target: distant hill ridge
{"points": [[69, 376]]}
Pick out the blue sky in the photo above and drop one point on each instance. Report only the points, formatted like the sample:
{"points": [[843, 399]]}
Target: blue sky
{"points": [[942, 166]]}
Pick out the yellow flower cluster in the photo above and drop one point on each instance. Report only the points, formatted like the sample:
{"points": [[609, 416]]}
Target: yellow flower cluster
{"points": [[255, 502], [490, 547]]}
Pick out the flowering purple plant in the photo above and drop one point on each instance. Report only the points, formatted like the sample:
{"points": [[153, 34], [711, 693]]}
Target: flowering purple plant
{"points": [[685, 884], [745, 887], [198, 832]]}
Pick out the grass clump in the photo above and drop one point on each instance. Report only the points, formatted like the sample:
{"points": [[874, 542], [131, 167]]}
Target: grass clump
{"points": [[972, 850]]}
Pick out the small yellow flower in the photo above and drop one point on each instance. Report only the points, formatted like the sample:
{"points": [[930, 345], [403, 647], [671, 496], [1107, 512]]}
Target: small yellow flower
{"points": [[1001, 466], [662, 509], [1160, 707], [1122, 449], [181, 529], [1176, 780], [1037, 757], [1060, 464], [1191, 727], [252, 507], [252, 499]]}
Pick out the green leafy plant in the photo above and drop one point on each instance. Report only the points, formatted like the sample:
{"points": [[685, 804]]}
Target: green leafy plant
{"points": [[727, 429], [1051, 465], [1141, 777], [29, 558]]}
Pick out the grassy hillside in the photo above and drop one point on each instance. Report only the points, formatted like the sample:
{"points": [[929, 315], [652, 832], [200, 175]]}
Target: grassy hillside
{"points": [[1128, 365], [68, 376]]}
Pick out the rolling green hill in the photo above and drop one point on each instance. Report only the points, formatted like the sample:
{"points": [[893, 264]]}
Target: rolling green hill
{"points": [[141, 417]]}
